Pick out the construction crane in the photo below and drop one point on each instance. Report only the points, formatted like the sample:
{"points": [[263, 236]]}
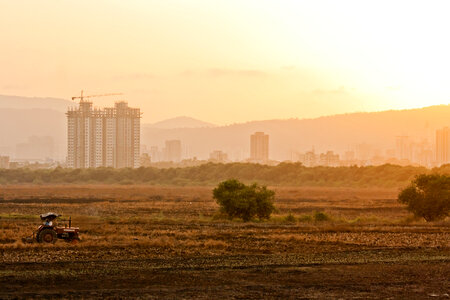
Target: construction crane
{"points": [[82, 97]]}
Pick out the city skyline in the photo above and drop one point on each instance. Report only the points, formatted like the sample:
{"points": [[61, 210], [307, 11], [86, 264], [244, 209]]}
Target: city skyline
{"points": [[418, 148]]}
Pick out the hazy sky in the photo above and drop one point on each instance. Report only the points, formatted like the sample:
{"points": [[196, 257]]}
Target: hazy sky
{"points": [[230, 61]]}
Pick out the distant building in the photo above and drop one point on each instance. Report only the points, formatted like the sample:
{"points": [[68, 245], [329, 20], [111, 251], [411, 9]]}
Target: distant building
{"points": [[403, 148], [218, 156], [443, 146], [108, 137], [172, 151], [4, 162], [308, 159], [422, 153], [259, 147], [329, 159], [155, 154]]}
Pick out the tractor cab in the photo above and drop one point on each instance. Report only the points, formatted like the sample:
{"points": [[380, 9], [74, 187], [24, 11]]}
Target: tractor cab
{"points": [[48, 218]]}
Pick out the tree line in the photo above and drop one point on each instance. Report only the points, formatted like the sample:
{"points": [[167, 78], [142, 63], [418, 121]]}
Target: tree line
{"points": [[286, 174]]}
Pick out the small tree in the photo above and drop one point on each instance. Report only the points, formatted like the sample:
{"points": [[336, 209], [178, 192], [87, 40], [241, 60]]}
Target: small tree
{"points": [[428, 196], [239, 200]]}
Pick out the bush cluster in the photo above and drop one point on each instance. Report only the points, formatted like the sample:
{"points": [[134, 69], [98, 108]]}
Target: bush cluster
{"points": [[238, 200], [428, 196]]}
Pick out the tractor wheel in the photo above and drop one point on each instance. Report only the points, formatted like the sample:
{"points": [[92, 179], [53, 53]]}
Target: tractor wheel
{"points": [[47, 236]]}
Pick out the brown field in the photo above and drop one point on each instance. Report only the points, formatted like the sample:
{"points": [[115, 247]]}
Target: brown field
{"points": [[170, 242]]}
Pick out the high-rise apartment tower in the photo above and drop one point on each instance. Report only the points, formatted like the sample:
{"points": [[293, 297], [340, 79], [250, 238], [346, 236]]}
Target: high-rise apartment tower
{"points": [[108, 137], [259, 147]]}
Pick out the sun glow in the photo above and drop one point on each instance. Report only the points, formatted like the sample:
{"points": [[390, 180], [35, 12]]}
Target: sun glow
{"points": [[272, 59]]}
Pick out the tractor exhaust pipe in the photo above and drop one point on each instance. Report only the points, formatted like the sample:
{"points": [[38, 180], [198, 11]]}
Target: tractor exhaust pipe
{"points": [[70, 222]]}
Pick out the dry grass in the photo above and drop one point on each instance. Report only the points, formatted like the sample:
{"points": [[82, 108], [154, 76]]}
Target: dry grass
{"points": [[151, 220]]}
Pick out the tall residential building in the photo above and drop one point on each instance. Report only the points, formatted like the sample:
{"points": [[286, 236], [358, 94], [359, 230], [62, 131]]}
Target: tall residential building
{"points": [[259, 147], [172, 152], [108, 137], [443, 146]]}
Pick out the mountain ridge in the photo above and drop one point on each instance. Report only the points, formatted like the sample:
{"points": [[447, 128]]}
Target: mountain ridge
{"points": [[179, 122], [22, 102], [339, 133], [19, 102]]}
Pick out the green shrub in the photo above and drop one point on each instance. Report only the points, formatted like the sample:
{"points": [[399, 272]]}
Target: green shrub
{"points": [[289, 218], [428, 196], [320, 216], [238, 200]]}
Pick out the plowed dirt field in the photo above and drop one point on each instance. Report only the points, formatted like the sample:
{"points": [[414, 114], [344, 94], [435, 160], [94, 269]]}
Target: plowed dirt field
{"points": [[169, 242]]}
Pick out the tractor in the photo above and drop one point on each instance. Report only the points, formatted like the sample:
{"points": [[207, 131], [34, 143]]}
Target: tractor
{"points": [[49, 233]]}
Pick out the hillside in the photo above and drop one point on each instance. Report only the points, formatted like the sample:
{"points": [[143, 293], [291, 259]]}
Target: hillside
{"points": [[17, 102], [179, 122], [24, 117], [339, 132], [17, 125]]}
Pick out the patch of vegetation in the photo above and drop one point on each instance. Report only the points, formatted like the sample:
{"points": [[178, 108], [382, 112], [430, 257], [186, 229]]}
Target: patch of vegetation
{"points": [[320, 216], [290, 218], [238, 200], [428, 196]]}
